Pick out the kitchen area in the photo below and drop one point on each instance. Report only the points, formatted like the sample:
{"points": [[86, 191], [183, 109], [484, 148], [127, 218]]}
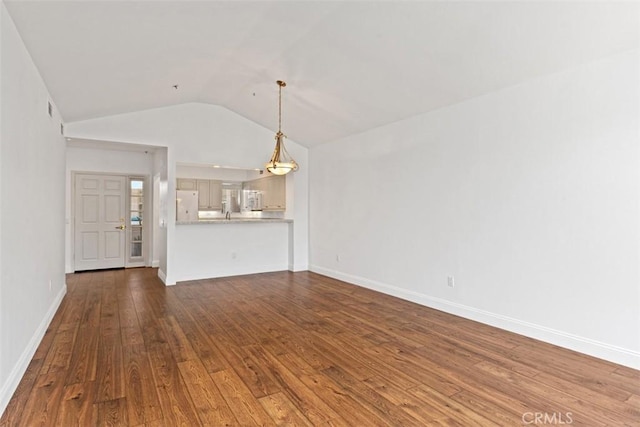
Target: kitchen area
{"points": [[231, 221], [213, 199]]}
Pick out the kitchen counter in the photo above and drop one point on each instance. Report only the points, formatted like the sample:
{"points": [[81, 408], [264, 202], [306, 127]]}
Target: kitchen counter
{"points": [[233, 221]]}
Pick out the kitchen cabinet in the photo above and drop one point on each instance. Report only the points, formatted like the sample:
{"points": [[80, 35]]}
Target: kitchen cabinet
{"points": [[273, 192], [209, 194], [188, 184]]}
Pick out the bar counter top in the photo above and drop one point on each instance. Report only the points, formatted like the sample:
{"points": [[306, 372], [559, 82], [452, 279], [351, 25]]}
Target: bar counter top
{"points": [[233, 221]]}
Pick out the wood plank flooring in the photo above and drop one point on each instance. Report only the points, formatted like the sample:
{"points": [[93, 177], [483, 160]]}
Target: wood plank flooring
{"points": [[297, 349]]}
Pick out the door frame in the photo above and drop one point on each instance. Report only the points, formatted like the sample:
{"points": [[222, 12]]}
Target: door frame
{"points": [[147, 243]]}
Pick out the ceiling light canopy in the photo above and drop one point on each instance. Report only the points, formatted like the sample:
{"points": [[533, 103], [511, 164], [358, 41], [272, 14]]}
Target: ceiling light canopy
{"points": [[281, 162]]}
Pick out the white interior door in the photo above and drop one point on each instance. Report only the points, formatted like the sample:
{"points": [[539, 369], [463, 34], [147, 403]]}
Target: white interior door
{"points": [[99, 228]]}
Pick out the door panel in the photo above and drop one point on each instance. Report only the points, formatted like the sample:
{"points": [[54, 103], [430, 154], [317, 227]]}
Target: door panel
{"points": [[114, 185], [89, 209], [99, 221], [90, 184], [112, 211], [89, 246], [112, 246]]}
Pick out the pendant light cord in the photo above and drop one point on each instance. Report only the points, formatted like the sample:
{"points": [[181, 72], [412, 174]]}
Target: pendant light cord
{"points": [[281, 84]]}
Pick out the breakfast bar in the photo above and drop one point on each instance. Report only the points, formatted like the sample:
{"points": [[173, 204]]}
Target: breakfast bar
{"points": [[230, 247]]}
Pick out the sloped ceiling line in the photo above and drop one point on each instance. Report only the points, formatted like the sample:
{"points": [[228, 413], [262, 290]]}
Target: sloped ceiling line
{"points": [[349, 66]]}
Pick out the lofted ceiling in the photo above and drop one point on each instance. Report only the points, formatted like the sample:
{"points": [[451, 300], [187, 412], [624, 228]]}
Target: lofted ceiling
{"points": [[349, 65]]}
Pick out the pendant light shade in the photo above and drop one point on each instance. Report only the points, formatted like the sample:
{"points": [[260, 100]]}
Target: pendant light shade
{"points": [[281, 162]]}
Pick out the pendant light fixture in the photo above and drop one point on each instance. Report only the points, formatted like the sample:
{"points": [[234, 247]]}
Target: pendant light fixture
{"points": [[281, 162]]}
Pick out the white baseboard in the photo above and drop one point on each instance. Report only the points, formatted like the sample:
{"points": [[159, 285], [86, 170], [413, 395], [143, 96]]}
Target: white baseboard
{"points": [[162, 276], [577, 343], [155, 263], [229, 272], [298, 267], [10, 386]]}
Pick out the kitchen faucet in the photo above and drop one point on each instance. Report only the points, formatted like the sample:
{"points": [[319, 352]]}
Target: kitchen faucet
{"points": [[228, 215]]}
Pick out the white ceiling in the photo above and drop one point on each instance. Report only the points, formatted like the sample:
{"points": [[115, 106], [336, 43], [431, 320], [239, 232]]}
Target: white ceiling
{"points": [[349, 66]]}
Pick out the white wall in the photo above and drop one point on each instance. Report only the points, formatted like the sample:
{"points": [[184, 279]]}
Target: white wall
{"points": [[223, 174], [202, 133], [160, 211], [229, 249], [528, 196], [107, 161], [32, 281]]}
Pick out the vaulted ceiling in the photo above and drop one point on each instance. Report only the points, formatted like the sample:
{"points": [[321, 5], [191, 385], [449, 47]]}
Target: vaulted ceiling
{"points": [[349, 66]]}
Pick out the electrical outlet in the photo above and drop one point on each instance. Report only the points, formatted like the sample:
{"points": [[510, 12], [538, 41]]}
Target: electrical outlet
{"points": [[234, 255], [451, 282], [337, 258]]}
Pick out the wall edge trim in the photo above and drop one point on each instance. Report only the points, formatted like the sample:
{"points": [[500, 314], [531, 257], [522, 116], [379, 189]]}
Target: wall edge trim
{"points": [[162, 276], [19, 369]]}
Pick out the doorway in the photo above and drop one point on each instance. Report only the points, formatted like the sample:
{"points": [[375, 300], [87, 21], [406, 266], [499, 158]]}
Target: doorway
{"points": [[109, 228]]}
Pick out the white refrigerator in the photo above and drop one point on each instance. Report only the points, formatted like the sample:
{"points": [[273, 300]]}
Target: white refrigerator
{"points": [[186, 205]]}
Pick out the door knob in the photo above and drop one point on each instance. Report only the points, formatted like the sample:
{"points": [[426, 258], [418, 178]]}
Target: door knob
{"points": [[121, 227]]}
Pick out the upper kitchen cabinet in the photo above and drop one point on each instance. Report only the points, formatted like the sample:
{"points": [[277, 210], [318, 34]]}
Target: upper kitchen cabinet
{"points": [[189, 184], [209, 194], [274, 193]]}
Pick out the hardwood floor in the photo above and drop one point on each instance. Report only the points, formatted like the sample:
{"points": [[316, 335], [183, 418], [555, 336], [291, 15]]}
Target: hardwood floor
{"points": [[297, 349]]}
